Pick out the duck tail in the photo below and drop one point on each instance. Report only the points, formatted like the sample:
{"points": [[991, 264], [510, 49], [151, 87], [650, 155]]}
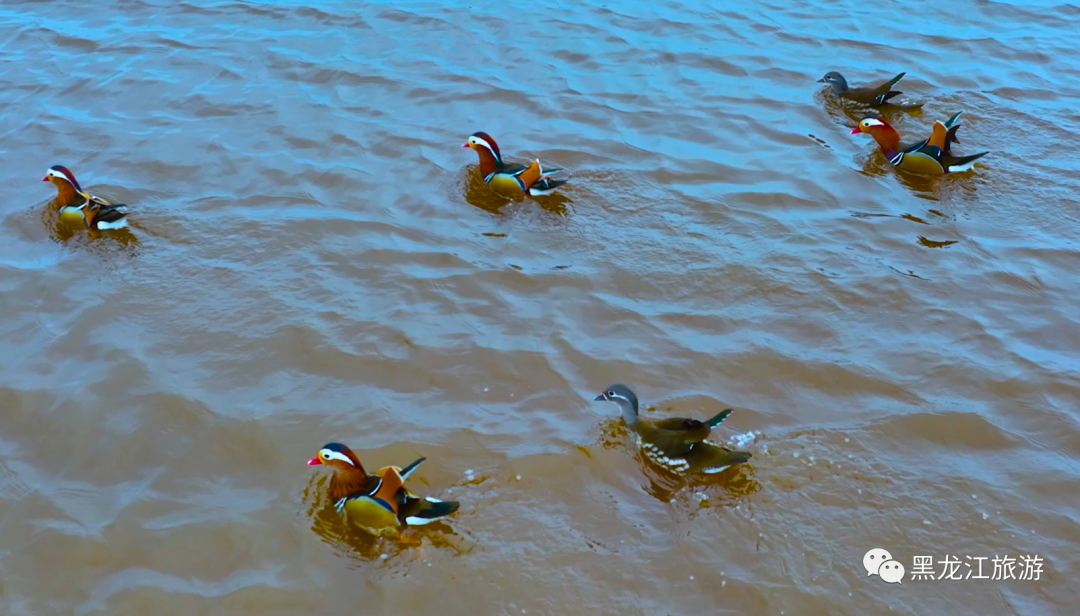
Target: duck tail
{"points": [[546, 185], [431, 509], [964, 163], [892, 82], [410, 468], [885, 91], [719, 418], [111, 217], [951, 138]]}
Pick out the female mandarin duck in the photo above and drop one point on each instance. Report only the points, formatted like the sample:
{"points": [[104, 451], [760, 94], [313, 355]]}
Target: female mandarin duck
{"points": [[514, 181], [78, 206], [931, 156], [873, 97], [377, 502], [676, 444]]}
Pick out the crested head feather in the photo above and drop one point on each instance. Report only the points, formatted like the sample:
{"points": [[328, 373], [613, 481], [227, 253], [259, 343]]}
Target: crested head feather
{"points": [[61, 171]]}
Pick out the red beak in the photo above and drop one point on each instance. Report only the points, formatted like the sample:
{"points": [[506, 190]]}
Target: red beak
{"points": [[465, 145], [856, 130], [45, 179], [314, 462]]}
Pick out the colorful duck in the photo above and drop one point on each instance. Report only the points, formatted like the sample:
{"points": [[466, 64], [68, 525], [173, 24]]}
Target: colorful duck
{"points": [[377, 502], [873, 97], [931, 156], [513, 181], [81, 207], [676, 444]]}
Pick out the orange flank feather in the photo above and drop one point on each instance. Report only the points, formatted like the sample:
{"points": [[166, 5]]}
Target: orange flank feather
{"points": [[937, 135], [391, 483], [531, 175]]}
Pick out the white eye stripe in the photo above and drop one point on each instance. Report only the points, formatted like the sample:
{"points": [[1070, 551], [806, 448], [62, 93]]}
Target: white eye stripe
{"points": [[333, 455], [483, 142], [56, 174], [872, 122]]}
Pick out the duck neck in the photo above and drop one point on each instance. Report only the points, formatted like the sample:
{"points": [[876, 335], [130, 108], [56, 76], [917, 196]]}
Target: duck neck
{"points": [[66, 195], [488, 163], [346, 482], [629, 414], [888, 140]]}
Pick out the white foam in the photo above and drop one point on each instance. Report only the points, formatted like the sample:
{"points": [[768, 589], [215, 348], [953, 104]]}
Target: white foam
{"points": [[743, 440]]}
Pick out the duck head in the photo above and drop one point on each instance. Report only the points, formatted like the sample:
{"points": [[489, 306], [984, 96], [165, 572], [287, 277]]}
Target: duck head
{"points": [[349, 475], [488, 151], [836, 80], [67, 187], [339, 457], [61, 176], [626, 400], [879, 128]]}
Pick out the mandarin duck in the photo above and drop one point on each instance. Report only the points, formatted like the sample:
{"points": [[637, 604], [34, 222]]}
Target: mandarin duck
{"points": [[513, 180], [677, 444], [380, 501], [873, 97], [81, 207], [932, 156]]}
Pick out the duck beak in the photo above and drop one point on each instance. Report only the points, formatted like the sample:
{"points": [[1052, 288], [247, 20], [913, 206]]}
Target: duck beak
{"points": [[822, 80], [314, 462], [45, 179], [600, 397], [856, 130]]}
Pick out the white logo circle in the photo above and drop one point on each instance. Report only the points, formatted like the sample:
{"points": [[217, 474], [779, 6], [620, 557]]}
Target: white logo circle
{"points": [[891, 571], [872, 560]]}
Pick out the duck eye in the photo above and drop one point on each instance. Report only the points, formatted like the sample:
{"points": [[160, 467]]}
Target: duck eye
{"points": [[611, 393]]}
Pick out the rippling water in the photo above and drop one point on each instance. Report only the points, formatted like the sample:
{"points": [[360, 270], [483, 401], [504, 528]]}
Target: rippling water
{"points": [[313, 258]]}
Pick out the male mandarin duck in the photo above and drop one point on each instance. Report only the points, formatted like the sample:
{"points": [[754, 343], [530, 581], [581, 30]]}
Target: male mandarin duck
{"points": [[931, 156], [377, 502], [514, 180], [676, 444], [873, 97], [78, 206]]}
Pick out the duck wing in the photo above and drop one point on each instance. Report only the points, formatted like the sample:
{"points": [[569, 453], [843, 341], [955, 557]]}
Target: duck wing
{"points": [[108, 217], [677, 435], [417, 511], [710, 458], [875, 96]]}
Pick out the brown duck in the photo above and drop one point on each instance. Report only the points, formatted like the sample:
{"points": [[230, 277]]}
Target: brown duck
{"points": [[511, 180], [377, 502], [81, 207], [676, 444], [931, 156], [872, 97]]}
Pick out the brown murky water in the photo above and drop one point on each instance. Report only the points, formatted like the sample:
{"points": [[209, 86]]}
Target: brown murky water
{"points": [[314, 259]]}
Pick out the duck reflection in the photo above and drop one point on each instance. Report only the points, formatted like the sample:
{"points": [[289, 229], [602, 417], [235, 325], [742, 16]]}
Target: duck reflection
{"points": [[479, 195], [62, 229], [363, 546], [734, 483]]}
